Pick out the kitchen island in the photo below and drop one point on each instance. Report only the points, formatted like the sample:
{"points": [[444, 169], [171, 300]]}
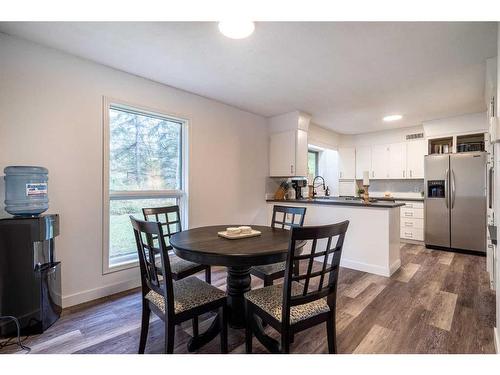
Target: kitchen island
{"points": [[372, 240]]}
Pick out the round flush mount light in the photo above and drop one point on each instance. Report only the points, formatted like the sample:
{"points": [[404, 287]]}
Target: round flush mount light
{"points": [[392, 118], [236, 29]]}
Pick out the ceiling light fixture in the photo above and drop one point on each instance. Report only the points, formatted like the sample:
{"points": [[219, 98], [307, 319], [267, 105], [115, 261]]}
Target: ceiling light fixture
{"points": [[392, 118], [236, 29]]}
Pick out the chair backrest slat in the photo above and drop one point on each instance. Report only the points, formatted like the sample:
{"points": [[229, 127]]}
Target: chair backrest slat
{"points": [[145, 233], [325, 262], [329, 237], [161, 215], [309, 267], [299, 212]]}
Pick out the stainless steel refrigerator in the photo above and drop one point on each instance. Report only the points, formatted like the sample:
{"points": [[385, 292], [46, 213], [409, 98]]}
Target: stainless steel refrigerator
{"points": [[455, 201]]}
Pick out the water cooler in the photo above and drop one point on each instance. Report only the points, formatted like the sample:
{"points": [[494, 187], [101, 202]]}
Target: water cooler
{"points": [[30, 278]]}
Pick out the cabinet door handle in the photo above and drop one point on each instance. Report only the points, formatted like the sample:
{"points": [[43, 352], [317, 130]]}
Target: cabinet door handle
{"points": [[404, 174], [410, 214], [411, 173], [340, 174], [291, 169], [408, 234], [373, 174], [407, 224]]}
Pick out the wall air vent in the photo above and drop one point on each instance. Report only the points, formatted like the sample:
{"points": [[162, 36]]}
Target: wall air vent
{"points": [[414, 136]]}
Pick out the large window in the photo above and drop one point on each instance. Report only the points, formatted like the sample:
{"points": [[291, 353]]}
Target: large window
{"points": [[312, 164], [144, 167]]}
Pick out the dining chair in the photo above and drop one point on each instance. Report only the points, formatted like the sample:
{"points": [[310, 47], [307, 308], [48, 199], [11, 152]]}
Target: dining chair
{"points": [[172, 301], [170, 219], [304, 299], [284, 217]]}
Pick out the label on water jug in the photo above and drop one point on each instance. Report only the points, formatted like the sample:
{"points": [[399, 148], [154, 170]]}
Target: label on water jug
{"points": [[36, 189]]}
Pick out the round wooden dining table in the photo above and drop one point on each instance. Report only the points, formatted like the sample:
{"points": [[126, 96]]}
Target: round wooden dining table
{"points": [[203, 245]]}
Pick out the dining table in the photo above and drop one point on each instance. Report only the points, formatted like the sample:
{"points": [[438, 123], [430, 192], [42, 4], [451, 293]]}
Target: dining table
{"points": [[203, 245]]}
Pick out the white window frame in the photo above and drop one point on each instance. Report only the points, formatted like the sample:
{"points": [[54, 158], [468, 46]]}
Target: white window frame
{"points": [[181, 194]]}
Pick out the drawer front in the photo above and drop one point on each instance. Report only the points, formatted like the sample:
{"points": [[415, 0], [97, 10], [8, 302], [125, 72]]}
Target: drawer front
{"points": [[412, 213], [407, 223], [412, 204], [416, 234]]}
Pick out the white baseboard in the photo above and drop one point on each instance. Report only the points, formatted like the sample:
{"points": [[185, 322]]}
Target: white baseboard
{"points": [[106, 290], [370, 268], [496, 334]]}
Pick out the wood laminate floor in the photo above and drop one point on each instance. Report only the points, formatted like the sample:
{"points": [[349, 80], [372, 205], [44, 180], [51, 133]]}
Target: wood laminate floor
{"points": [[438, 302]]}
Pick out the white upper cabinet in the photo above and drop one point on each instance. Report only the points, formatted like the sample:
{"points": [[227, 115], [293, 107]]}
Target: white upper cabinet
{"points": [[347, 163], [288, 154], [402, 160], [380, 162], [397, 160], [301, 151], [288, 145], [415, 152], [363, 161], [282, 154]]}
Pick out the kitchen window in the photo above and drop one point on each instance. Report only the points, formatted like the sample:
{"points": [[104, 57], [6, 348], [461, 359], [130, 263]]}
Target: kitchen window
{"points": [[312, 164], [144, 166]]}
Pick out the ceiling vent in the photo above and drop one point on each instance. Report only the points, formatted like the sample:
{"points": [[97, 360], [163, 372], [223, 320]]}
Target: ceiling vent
{"points": [[414, 136]]}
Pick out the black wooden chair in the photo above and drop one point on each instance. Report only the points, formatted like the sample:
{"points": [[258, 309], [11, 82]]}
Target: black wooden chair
{"points": [[170, 219], [302, 301], [173, 301], [281, 215]]}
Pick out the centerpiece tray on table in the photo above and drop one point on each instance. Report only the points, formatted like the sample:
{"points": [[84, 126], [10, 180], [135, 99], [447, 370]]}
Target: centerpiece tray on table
{"points": [[236, 233]]}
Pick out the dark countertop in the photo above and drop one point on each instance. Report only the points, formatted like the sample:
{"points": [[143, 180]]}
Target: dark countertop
{"points": [[400, 199], [334, 201], [493, 233]]}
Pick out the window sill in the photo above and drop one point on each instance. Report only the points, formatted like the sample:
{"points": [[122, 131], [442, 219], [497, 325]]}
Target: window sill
{"points": [[122, 263]]}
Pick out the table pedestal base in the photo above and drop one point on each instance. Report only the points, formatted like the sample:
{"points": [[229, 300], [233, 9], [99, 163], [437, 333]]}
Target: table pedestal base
{"points": [[238, 283]]}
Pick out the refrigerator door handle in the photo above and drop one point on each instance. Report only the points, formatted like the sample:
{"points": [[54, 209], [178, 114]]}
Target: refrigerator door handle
{"points": [[446, 178], [453, 192]]}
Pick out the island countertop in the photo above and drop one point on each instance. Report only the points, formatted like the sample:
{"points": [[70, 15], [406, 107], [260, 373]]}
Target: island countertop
{"points": [[337, 201], [372, 242]]}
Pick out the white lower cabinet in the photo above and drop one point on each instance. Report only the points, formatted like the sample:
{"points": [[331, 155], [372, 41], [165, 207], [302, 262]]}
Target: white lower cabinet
{"points": [[412, 223], [412, 213], [412, 234], [412, 220]]}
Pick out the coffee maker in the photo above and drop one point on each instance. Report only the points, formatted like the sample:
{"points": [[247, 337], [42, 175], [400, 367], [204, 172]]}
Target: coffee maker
{"points": [[298, 184], [30, 278]]}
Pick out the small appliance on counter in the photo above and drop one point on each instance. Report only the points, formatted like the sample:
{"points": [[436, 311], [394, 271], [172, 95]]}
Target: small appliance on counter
{"points": [[299, 184]]}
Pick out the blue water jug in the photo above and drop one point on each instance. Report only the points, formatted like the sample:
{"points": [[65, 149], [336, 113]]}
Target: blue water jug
{"points": [[26, 190]]}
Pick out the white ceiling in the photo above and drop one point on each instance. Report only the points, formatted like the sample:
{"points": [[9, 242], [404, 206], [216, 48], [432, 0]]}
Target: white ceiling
{"points": [[346, 75]]}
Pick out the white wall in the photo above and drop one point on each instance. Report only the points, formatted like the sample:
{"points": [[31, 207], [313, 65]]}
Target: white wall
{"points": [[379, 138], [328, 168], [322, 137], [327, 141], [51, 115]]}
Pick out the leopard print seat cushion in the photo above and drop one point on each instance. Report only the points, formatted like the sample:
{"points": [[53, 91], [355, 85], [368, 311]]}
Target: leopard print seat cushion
{"points": [[178, 265], [271, 269], [189, 293], [270, 300]]}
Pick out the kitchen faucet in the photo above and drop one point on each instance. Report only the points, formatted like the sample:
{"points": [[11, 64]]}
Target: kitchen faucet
{"points": [[322, 184]]}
